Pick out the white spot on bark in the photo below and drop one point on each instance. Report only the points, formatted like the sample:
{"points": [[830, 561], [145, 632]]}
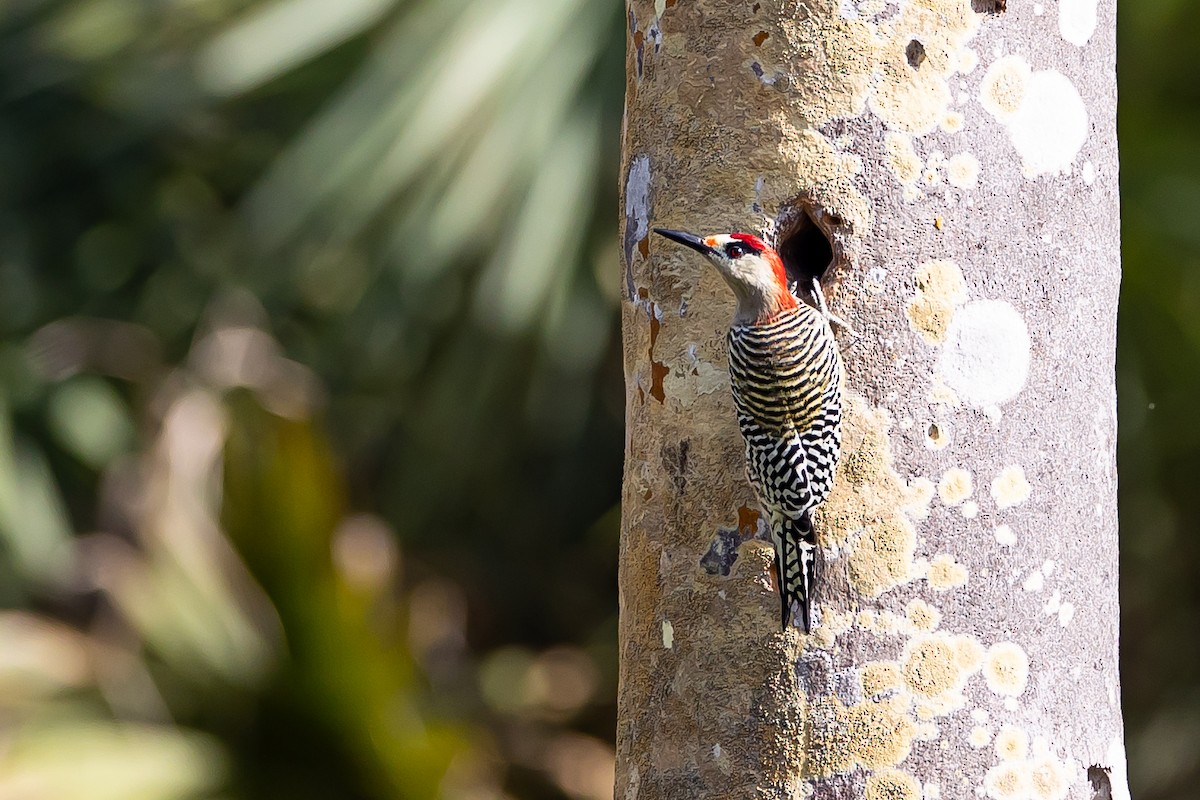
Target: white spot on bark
{"points": [[979, 737], [1066, 613], [1053, 604], [668, 631], [1051, 125], [637, 211], [1010, 487], [1035, 582], [1077, 20], [968, 59], [986, 357], [1089, 173], [637, 195], [1005, 535], [1046, 118], [970, 509], [875, 278], [635, 783], [963, 171]]}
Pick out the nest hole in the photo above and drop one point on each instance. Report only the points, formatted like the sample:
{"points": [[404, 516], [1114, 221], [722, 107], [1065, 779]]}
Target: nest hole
{"points": [[806, 251]]}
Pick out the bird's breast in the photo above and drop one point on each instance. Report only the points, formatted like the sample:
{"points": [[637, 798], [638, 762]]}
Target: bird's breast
{"points": [[784, 372]]}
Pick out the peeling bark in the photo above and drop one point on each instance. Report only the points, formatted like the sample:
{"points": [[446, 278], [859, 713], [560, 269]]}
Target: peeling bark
{"points": [[956, 160]]}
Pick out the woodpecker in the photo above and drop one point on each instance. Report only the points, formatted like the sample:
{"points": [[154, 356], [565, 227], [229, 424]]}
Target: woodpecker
{"points": [[786, 375]]}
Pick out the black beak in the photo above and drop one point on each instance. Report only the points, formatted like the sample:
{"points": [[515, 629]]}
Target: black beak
{"points": [[688, 239]]}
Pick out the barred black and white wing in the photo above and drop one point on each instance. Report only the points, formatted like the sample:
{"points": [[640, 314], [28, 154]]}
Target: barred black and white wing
{"points": [[786, 376]]}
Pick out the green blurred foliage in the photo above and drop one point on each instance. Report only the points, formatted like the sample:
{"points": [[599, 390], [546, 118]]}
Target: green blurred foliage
{"points": [[311, 404], [310, 398], [1158, 391]]}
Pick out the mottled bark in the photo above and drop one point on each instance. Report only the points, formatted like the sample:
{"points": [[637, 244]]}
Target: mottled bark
{"points": [[955, 163]]}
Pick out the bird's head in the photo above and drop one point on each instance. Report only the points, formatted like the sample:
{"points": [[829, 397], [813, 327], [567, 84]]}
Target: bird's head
{"points": [[753, 270]]}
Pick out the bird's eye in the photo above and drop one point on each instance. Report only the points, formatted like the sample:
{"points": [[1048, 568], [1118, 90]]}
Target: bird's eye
{"points": [[735, 250]]}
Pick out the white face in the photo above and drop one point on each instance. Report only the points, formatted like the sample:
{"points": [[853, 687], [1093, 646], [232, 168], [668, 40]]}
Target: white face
{"points": [[746, 271]]}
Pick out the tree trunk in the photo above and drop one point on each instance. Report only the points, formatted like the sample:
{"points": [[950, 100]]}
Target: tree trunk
{"points": [[950, 168]]}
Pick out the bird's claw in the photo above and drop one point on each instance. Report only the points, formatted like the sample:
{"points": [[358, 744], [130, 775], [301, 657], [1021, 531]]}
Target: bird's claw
{"points": [[823, 307]]}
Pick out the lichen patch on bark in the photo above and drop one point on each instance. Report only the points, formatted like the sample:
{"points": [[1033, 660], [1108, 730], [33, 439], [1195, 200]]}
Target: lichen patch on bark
{"points": [[955, 486], [864, 510], [945, 573], [979, 737], [892, 785], [1010, 487], [929, 667], [826, 172], [921, 615], [637, 213], [839, 56], [939, 289], [687, 377], [962, 171], [1004, 86], [882, 556], [1041, 775], [878, 677], [1051, 126], [902, 159], [1012, 743], [1006, 668], [916, 99], [920, 493], [904, 162], [872, 735]]}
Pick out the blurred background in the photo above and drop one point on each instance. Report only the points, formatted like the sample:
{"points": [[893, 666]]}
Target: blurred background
{"points": [[311, 398]]}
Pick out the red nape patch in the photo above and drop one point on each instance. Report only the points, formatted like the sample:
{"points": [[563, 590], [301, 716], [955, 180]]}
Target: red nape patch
{"points": [[752, 240]]}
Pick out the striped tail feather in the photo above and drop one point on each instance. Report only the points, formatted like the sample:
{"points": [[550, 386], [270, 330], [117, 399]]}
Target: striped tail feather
{"points": [[795, 555]]}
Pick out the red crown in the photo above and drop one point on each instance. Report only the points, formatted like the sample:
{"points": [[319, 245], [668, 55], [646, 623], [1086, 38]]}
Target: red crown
{"points": [[752, 240]]}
